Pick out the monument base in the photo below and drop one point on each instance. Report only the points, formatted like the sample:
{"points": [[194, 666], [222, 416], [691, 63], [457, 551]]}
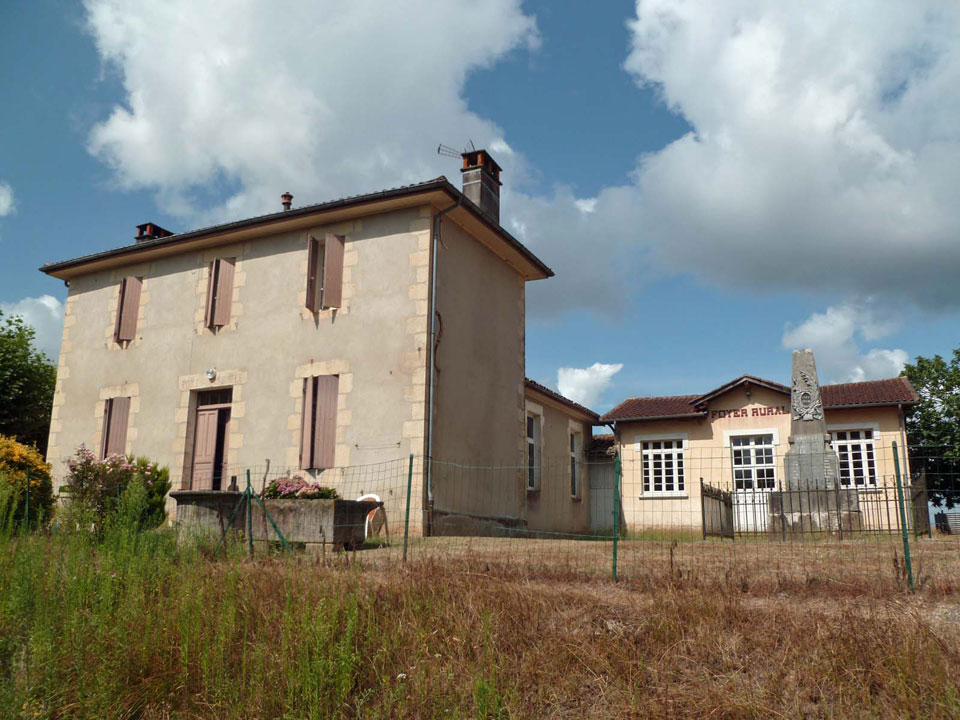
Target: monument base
{"points": [[793, 512]]}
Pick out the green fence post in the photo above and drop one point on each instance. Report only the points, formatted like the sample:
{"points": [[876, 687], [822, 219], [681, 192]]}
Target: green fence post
{"points": [[406, 519], [616, 513], [26, 514], [903, 517], [249, 508]]}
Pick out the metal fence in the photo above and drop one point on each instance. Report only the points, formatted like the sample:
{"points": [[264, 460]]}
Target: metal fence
{"points": [[670, 510]]}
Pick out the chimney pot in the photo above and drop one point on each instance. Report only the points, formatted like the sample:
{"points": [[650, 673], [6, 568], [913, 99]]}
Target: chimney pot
{"points": [[287, 199], [481, 182]]}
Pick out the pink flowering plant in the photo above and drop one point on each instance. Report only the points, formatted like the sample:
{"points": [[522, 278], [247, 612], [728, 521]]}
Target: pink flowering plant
{"points": [[99, 484], [288, 488]]}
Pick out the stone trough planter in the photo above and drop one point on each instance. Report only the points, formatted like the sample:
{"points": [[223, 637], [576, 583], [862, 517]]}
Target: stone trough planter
{"points": [[311, 522]]}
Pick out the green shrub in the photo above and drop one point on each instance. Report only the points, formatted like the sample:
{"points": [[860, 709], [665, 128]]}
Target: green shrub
{"points": [[96, 489], [17, 462]]}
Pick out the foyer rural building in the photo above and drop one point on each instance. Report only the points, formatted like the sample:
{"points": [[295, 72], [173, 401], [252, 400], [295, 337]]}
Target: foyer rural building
{"points": [[734, 439]]}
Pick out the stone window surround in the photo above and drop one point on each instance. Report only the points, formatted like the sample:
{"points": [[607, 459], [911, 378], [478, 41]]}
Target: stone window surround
{"points": [[236, 251], [130, 390], [533, 408], [113, 306], [341, 368]]}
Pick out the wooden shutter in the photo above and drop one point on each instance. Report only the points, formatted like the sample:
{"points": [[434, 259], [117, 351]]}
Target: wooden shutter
{"points": [[333, 271], [211, 294], [325, 421], [313, 272], [128, 308], [223, 293], [307, 423], [116, 415]]}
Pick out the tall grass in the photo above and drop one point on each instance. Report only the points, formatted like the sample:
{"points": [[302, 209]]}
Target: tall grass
{"points": [[141, 626]]}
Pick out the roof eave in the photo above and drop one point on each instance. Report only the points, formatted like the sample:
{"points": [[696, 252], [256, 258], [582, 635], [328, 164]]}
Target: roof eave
{"points": [[68, 269], [685, 416]]}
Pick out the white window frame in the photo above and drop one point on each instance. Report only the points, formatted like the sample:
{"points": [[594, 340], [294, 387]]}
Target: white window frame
{"points": [[774, 443], [684, 440], [534, 411], [575, 476], [870, 482]]}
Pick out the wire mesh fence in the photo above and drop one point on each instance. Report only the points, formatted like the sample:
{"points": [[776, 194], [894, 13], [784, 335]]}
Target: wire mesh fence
{"points": [[659, 508]]}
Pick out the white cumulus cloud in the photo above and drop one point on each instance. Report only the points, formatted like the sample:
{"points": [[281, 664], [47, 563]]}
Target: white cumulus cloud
{"points": [[322, 99], [586, 385], [825, 151], [836, 335], [45, 315], [7, 204]]}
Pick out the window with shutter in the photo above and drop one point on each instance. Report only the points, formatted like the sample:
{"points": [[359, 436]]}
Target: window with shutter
{"points": [[220, 292], [318, 432], [331, 293], [116, 414], [128, 308]]}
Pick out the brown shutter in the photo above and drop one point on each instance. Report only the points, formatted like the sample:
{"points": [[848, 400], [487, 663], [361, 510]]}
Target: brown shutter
{"points": [[128, 308], [223, 299], [313, 268], [325, 428], [333, 271], [306, 424], [115, 418], [211, 293]]}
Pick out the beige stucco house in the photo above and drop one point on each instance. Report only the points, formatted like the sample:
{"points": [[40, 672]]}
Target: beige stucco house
{"points": [[346, 334], [734, 439]]}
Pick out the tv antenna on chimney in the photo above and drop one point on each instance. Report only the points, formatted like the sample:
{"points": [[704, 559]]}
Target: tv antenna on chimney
{"points": [[447, 151]]}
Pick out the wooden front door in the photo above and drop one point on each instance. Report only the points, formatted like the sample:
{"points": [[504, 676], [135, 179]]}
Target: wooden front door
{"points": [[204, 449]]}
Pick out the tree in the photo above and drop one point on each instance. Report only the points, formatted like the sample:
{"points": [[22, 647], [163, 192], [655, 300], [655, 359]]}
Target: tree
{"points": [[27, 380], [933, 428]]}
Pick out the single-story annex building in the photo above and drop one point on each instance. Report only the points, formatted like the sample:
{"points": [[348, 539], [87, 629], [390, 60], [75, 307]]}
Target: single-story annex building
{"points": [[734, 438]]}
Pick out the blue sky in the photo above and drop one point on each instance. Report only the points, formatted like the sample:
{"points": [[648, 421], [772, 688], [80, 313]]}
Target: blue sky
{"points": [[747, 193]]}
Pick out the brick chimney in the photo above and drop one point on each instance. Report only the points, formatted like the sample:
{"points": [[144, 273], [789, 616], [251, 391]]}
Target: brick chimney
{"points": [[286, 200], [481, 182], [151, 231]]}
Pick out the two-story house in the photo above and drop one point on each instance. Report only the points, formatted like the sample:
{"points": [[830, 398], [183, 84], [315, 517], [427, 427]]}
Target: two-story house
{"points": [[343, 334]]}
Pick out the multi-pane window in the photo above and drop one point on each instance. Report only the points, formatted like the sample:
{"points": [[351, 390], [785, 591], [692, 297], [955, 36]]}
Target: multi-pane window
{"points": [[575, 448], [858, 466], [663, 467], [754, 466], [533, 451]]}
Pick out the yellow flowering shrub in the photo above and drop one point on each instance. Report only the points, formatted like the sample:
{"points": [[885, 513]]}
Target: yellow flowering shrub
{"points": [[17, 462]]}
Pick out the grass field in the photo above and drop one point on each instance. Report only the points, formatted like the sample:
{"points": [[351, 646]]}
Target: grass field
{"points": [[139, 627]]}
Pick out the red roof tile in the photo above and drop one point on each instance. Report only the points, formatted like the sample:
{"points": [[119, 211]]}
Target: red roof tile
{"points": [[892, 391], [653, 407]]}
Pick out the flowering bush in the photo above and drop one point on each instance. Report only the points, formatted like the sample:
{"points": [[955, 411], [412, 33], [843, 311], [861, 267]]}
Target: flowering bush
{"points": [[97, 485], [17, 461], [297, 487]]}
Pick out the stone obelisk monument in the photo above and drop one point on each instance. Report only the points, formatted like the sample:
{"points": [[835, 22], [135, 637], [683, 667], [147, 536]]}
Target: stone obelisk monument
{"points": [[812, 500]]}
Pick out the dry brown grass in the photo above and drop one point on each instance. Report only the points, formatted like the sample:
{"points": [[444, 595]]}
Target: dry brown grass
{"points": [[106, 633]]}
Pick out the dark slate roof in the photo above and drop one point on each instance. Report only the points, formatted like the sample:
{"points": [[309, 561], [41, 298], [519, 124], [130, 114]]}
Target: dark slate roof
{"points": [[533, 384], [440, 183], [892, 391]]}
